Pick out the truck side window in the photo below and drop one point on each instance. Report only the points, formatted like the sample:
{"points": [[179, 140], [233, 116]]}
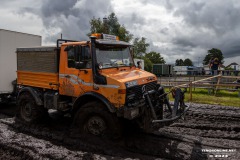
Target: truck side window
{"points": [[79, 57], [71, 57], [85, 57]]}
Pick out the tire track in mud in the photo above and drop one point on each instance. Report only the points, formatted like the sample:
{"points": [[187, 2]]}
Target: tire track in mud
{"points": [[204, 127], [208, 126], [18, 145], [44, 142], [209, 121]]}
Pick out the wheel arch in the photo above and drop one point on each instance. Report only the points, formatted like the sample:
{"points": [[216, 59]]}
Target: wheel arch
{"points": [[92, 96], [36, 94]]}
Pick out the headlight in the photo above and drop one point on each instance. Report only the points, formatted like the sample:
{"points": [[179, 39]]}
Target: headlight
{"points": [[131, 83]]}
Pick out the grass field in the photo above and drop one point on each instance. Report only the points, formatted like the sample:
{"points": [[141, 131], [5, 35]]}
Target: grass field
{"points": [[226, 98]]}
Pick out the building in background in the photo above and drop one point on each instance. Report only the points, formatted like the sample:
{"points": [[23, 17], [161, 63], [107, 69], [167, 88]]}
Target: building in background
{"points": [[162, 69], [234, 66], [9, 41]]}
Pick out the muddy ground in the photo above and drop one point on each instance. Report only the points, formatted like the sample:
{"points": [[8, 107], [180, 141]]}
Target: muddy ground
{"points": [[208, 132]]}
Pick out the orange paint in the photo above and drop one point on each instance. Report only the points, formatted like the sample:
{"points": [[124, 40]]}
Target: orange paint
{"points": [[38, 79], [75, 82]]}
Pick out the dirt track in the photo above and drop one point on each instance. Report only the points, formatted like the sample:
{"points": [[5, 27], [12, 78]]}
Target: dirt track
{"points": [[207, 132]]}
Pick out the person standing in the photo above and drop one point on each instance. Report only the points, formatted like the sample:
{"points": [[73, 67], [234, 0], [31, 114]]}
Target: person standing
{"points": [[215, 66], [210, 65]]}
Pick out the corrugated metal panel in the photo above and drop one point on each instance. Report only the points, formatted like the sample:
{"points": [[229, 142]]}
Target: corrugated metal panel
{"points": [[38, 49], [37, 61], [37, 79]]}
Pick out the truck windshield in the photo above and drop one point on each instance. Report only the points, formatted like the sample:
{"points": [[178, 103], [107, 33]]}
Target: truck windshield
{"points": [[109, 56]]}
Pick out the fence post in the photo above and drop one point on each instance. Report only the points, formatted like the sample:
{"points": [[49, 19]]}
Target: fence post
{"points": [[218, 82], [194, 79], [190, 91]]}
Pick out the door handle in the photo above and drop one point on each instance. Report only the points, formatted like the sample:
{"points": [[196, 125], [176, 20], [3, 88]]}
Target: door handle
{"points": [[67, 76]]}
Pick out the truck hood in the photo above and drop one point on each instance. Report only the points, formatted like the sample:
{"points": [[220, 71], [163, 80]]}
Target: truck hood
{"points": [[129, 75]]}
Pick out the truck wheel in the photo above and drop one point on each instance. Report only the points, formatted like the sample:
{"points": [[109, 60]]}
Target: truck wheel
{"points": [[95, 119], [28, 110]]}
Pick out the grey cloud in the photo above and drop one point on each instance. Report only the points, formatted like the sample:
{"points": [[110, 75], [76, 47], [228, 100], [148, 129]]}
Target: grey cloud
{"points": [[204, 25], [71, 17], [184, 42], [232, 50], [166, 3], [220, 17], [132, 21], [164, 31], [56, 8]]}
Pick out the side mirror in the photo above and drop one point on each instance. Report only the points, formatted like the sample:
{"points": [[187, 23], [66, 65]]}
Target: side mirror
{"points": [[99, 66]]}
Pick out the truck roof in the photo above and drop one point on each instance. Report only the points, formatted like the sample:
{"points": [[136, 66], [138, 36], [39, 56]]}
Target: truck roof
{"points": [[53, 48], [102, 41], [37, 48]]}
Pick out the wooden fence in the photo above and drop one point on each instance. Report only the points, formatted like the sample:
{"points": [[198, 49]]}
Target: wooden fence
{"points": [[212, 84]]}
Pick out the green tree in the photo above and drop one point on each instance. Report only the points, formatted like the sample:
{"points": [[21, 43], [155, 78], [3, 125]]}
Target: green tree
{"points": [[155, 57], [96, 26], [140, 46], [111, 26], [147, 64], [213, 53], [187, 62], [179, 62]]}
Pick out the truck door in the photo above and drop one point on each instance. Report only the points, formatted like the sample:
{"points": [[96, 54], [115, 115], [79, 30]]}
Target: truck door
{"points": [[75, 76]]}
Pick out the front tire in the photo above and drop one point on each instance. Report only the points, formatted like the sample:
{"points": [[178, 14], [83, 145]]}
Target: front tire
{"points": [[28, 110], [95, 119]]}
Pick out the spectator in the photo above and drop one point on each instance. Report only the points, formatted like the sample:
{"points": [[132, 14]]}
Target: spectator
{"points": [[215, 66], [210, 65]]}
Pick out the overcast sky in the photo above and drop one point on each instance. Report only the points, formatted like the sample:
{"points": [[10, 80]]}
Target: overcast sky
{"points": [[175, 28]]}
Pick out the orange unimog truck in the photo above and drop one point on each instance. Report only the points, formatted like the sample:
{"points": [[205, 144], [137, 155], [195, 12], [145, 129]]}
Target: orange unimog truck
{"points": [[96, 81]]}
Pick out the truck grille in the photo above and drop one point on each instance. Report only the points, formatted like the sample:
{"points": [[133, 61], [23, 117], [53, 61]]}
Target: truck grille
{"points": [[134, 94]]}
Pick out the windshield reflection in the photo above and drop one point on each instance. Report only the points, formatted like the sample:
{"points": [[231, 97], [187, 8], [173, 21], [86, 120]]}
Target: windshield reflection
{"points": [[110, 56]]}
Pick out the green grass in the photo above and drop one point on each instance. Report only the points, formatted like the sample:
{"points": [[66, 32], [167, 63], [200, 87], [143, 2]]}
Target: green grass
{"points": [[226, 98]]}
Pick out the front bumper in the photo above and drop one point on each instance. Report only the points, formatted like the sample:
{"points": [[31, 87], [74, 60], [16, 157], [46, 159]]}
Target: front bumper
{"points": [[178, 110], [173, 118], [153, 105]]}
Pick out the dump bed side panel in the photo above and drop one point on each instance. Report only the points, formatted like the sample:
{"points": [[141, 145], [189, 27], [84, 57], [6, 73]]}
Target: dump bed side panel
{"points": [[38, 67], [38, 79]]}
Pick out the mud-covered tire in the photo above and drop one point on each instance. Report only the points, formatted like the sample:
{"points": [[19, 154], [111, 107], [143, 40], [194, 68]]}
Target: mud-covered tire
{"points": [[28, 110], [95, 119]]}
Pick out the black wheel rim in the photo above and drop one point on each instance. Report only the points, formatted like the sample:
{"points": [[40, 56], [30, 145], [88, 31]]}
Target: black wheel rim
{"points": [[26, 111], [96, 125]]}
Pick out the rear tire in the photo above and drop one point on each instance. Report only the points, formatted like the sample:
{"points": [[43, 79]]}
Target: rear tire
{"points": [[95, 119], [28, 110]]}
